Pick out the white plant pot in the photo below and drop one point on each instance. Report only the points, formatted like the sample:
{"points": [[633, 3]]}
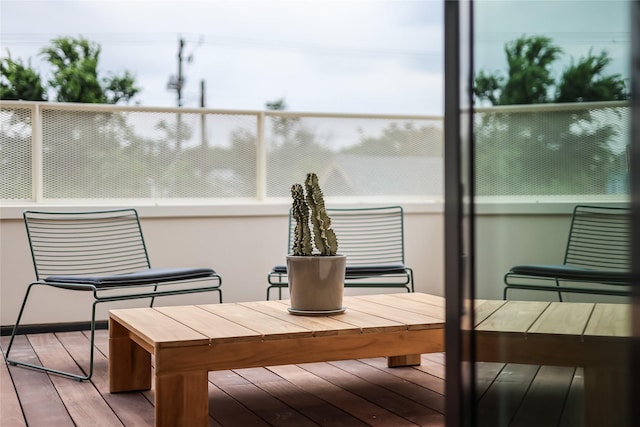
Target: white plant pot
{"points": [[316, 284]]}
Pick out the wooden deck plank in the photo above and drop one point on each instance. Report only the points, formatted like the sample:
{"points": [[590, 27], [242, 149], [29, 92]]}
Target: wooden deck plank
{"points": [[500, 403], [273, 411], [573, 413], [82, 400], [366, 411], [387, 380], [545, 400], [309, 405], [405, 408], [34, 387], [132, 408], [10, 409], [316, 396], [421, 377], [486, 373], [227, 411]]}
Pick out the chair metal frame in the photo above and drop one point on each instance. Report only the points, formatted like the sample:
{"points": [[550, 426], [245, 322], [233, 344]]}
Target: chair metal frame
{"points": [[598, 252], [373, 241], [102, 252]]}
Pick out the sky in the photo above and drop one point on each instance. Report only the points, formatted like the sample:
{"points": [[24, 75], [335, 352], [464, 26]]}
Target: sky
{"points": [[327, 56], [349, 56]]}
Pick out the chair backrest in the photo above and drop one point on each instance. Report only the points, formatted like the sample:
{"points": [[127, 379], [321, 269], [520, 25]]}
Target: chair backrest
{"points": [[86, 243], [367, 236], [600, 238]]}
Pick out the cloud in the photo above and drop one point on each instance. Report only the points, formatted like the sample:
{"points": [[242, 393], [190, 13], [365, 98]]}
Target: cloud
{"points": [[320, 55]]}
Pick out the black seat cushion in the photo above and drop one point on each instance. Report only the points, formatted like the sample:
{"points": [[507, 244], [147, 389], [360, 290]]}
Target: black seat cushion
{"points": [[143, 277], [570, 272], [359, 270]]}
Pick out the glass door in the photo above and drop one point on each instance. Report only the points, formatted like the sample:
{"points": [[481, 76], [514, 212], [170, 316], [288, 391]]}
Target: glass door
{"points": [[551, 131], [538, 129]]}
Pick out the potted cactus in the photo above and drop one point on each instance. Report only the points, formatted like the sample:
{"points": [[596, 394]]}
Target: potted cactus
{"points": [[316, 276]]}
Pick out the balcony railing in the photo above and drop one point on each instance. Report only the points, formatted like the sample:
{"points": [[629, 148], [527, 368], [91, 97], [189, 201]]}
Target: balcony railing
{"points": [[53, 151], [87, 152]]}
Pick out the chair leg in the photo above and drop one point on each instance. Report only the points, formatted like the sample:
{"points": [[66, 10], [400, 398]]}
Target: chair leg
{"points": [[15, 327], [40, 367], [559, 293]]}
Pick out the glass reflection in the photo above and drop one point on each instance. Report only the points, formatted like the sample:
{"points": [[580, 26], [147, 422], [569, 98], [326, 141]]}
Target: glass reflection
{"points": [[551, 130]]}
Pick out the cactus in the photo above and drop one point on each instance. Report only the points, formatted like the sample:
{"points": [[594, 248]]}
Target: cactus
{"points": [[300, 212], [312, 207]]}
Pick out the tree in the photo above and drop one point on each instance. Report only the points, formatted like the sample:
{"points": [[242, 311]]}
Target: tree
{"points": [[585, 81], [543, 151], [529, 79], [75, 78], [20, 82]]}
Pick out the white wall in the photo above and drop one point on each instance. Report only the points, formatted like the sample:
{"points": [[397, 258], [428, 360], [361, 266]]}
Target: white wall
{"points": [[241, 247]]}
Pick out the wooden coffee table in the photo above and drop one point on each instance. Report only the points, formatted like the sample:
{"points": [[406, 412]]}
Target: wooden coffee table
{"points": [[595, 336], [189, 341]]}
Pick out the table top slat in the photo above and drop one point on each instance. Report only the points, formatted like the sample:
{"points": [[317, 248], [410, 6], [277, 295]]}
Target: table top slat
{"points": [[270, 327], [366, 322], [217, 328], [563, 319], [485, 308], [419, 296], [158, 329], [408, 302], [411, 319], [609, 320], [320, 325], [513, 316]]}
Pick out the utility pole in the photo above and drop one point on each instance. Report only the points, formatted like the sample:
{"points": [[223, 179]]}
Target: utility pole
{"points": [[177, 82], [203, 117]]}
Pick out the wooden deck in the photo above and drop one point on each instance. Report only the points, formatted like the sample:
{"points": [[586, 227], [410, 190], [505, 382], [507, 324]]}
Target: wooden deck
{"points": [[344, 393]]}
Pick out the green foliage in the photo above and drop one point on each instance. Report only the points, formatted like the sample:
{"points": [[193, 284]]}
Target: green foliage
{"points": [[529, 79], [75, 78], [311, 208], [585, 81], [20, 82], [529, 76], [547, 152]]}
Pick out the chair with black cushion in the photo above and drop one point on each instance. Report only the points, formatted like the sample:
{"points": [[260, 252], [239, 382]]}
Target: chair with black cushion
{"points": [[102, 253], [373, 241], [597, 257]]}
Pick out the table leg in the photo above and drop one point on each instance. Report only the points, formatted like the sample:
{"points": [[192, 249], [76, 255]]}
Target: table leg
{"points": [[182, 400], [406, 360], [606, 396], [129, 364]]}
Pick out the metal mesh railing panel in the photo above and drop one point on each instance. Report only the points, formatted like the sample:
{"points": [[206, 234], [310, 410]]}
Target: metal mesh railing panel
{"points": [[574, 151], [15, 154], [356, 157], [125, 154]]}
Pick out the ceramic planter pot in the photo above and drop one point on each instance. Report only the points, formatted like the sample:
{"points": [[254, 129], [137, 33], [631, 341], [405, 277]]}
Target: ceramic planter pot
{"points": [[316, 283]]}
